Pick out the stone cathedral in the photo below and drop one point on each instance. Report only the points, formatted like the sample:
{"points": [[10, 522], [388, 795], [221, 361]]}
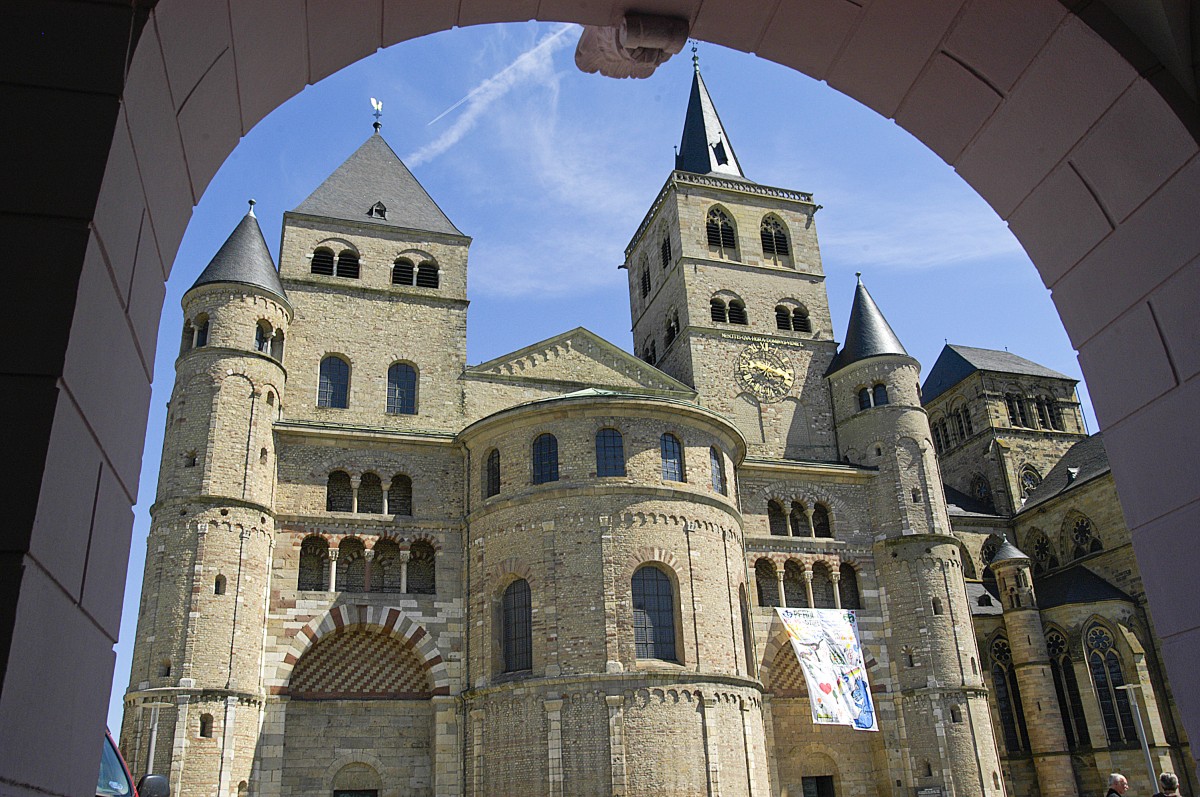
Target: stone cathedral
{"points": [[375, 570]]}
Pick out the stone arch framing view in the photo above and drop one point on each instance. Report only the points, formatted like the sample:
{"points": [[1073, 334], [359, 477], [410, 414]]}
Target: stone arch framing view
{"points": [[1067, 125]]}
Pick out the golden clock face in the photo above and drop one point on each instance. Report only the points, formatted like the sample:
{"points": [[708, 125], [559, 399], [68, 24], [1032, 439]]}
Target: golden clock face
{"points": [[764, 372]]}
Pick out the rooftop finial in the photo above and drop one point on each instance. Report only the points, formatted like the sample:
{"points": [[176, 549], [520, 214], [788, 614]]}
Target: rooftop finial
{"points": [[695, 58], [378, 106], [859, 275], [252, 204]]}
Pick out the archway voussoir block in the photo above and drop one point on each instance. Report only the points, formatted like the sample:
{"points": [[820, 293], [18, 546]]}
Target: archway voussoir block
{"points": [[157, 146], [894, 34], [998, 40], [1157, 545], [1129, 356], [272, 63], [947, 106], [121, 207], [209, 126], [592, 13], [192, 36], [484, 12], [1059, 223], [1067, 88], [1143, 252], [404, 19], [796, 36], [1150, 465], [1174, 304], [337, 39]]}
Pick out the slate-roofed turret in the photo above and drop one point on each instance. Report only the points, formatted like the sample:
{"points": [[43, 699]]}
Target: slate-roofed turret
{"points": [[868, 334], [244, 259], [374, 186]]}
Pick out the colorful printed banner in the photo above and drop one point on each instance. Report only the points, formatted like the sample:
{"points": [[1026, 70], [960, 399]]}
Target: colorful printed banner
{"points": [[826, 644]]}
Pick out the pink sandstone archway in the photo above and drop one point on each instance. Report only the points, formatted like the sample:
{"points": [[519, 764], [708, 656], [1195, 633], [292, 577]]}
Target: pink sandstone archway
{"points": [[120, 111]]}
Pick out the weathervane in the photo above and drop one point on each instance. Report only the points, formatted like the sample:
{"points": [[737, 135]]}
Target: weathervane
{"points": [[378, 106], [695, 58]]}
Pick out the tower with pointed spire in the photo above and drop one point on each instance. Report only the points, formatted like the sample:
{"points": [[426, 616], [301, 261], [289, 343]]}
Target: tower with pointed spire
{"points": [[727, 292], [199, 640]]}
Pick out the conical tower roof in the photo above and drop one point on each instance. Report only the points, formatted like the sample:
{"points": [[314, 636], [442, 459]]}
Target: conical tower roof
{"points": [[374, 175], [868, 334], [1007, 552], [705, 148], [244, 259]]}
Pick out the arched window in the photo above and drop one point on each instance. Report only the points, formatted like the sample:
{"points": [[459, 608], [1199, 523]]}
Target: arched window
{"points": [[937, 607], [718, 229], [1008, 697], [491, 474], [370, 494], [277, 345], [822, 525], [339, 496], [422, 572], [717, 463], [402, 389], [262, 337], [783, 317], [774, 240], [314, 564], [664, 250], [164, 669], [1107, 677], [716, 309], [794, 593], [879, 395], [516, 627], [189, 337], [737, 313], [1066, 686], [981, 491], [766, 582], [545, 459], [190, 459], [400, 496], [610, 453], [206, 726], [347, 264], [402, 271], [1083, 538], [351, 565], [672, 327], [822, 587], [776, 520], [798, 520], [333, 387], [864, 399], [386, 567], [653, 614], [201, 330], [1043, 412], [645, 281], [956, 714], [322, 262], [848, 587], [427, 275], [219, 585], [1041, 550], [672, 458], [800, 320], [651, 352]]}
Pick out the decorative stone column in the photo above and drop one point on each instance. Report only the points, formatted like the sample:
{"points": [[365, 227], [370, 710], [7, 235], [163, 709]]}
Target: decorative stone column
{"points": [[616, 744], [836, 578], [404, 557], [808, 577], [554, 787], [779, 584], [369, 556], [710, 704], [333, 554], [385, 499], [355, 481]]}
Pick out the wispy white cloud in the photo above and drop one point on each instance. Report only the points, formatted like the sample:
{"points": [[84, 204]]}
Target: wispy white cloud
{"points": [[536, 63], [924, 233]]}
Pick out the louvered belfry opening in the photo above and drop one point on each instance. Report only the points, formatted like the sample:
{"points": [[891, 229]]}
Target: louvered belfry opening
{"points": [[774, 239], [800, 322], [322, 262], [716, 309], [347, 265], [402, 272], [719, 230], [427, 275], [783, 318], [737, 313]]}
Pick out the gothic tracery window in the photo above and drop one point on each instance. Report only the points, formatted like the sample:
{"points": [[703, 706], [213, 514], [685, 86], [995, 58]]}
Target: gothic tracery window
{"points": [[774, 240], [718, 229], [1107, 678], [1083, 538], [1066, 687], [1008, 697]]}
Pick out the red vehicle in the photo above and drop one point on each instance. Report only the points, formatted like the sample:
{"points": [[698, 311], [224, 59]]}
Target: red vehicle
{"points": [[114, 779]]}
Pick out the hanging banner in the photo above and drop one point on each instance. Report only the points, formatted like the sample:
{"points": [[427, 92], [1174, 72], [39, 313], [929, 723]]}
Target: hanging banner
{"points": [[826, 644]]}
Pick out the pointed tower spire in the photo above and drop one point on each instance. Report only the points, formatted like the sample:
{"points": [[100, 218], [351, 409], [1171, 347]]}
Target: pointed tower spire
{"points": [[244, 259], [705, 148], [868, 334]]}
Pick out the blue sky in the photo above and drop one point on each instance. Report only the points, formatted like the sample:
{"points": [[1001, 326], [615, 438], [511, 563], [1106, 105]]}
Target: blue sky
{"points": [[550, 171]]}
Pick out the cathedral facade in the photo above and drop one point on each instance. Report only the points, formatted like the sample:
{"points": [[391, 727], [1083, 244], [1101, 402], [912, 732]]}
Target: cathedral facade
{"points": [[375, 570]]}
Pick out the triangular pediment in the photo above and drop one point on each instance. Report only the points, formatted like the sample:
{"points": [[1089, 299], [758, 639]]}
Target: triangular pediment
{"points": [[578, 360]]}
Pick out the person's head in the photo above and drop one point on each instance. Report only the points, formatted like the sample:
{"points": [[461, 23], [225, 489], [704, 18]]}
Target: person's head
{"points": [[1118, 783], [1170, 783]]}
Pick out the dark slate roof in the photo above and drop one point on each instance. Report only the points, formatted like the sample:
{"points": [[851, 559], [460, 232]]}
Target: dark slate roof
{"points": [[959, 504], [867, 335], [1007, 552], [244, 259], [375, 174], [975, 591], [705, 147], [1075, 584], [956, 363], [1087, 458]]}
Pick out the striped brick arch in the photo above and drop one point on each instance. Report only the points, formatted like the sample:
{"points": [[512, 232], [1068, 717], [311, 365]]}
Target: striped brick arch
{"points": [[390, 625], [360, 663]]}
